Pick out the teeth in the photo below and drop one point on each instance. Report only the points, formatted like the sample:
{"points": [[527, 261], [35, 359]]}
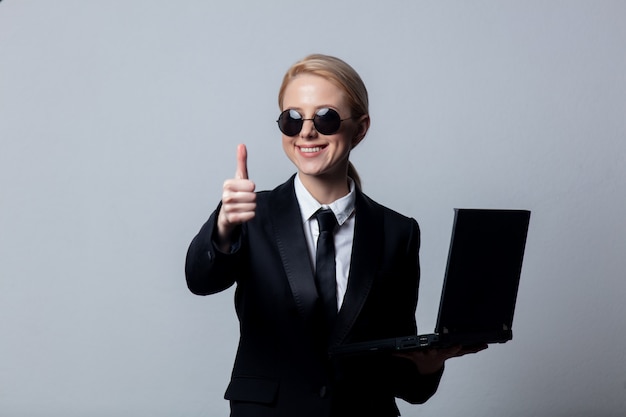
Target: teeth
{"points": [[311, 150]]}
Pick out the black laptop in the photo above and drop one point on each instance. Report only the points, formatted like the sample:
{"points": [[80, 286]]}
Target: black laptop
{"points": [[480, 285]]}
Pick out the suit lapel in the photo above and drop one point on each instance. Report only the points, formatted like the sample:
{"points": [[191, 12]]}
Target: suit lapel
{"points": [[287, 224], [366, 251], [291, 242]]}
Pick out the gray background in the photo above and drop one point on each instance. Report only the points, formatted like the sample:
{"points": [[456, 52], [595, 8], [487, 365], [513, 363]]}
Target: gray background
{"points": [[119, 121]]}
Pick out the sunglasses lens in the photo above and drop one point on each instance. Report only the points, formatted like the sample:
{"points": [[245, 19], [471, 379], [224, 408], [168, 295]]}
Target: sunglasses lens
{"points": [[290, 122], [327, 121]]}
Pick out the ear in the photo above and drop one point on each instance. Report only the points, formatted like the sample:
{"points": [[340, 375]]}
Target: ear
{"points": [[363, 125]]}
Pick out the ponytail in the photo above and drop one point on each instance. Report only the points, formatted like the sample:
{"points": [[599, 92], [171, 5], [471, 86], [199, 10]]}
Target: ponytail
{"points": [[354, 175]]}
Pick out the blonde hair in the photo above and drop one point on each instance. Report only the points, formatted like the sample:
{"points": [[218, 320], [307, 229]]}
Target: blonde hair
{"points": [[343, 76]]}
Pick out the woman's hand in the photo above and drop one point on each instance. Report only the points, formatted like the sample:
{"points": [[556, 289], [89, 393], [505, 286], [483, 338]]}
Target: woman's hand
{"points": [[429, 361], [238, 201]]}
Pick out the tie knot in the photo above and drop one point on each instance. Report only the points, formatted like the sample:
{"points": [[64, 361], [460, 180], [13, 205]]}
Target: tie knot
{"points": [[326, 220]]}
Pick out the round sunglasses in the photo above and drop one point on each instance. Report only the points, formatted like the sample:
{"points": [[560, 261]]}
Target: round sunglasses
{"points": [[326, 121]]}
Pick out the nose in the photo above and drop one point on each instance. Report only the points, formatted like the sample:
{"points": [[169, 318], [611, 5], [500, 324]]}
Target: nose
{"points": [[308, 129]]}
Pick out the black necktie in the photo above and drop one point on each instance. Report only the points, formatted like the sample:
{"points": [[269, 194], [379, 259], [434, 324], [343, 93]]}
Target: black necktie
{"points": [[325, 265]]}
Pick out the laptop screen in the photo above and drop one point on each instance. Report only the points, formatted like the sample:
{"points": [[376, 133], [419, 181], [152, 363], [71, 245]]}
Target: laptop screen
{"points": [[483, 270]]}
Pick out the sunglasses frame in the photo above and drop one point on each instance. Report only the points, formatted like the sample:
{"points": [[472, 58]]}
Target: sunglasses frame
{"points": [[315, 119]]}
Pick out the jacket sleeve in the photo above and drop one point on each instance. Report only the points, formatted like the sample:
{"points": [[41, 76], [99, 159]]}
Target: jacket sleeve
{"points": [[207, 269], [412, 386]]}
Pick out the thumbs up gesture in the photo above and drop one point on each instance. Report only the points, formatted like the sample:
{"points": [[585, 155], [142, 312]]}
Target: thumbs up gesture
{"points": [[238, 200]]}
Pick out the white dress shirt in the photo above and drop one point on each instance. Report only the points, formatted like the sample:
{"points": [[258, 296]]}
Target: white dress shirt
{"points": [[343, 209]]}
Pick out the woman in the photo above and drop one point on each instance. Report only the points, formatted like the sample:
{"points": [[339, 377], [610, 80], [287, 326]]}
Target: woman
{"points": [[265, 242]]}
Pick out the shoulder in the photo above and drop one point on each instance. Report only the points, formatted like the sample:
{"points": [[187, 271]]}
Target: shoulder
{"points": [[364, 202], [283, 192], [277, 202]]}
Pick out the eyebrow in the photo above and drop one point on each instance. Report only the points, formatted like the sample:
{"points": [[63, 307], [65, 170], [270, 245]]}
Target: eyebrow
{"points": [[318, 108]]}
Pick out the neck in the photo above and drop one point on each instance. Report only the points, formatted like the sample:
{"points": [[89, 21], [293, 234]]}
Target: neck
{"points": [[325, 190]]}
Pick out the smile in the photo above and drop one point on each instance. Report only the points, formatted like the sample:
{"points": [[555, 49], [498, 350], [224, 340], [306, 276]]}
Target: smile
{"points": [[311, 150]]}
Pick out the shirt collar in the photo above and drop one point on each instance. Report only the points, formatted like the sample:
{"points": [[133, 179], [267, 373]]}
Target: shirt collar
{"points": [[342, 208]]}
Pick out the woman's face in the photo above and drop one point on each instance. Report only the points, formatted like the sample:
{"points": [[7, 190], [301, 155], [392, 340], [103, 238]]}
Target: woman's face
{"points": [[315, 154]]}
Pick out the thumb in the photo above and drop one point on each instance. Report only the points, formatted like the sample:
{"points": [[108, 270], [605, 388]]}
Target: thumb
{"points": [[242, 163]]}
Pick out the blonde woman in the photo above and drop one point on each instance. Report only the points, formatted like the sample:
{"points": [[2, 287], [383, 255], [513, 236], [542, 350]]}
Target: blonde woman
{"points": [[267, 244]]}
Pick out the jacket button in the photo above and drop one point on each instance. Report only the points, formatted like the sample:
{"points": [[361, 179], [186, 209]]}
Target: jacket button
{"points": [[323, 391]]}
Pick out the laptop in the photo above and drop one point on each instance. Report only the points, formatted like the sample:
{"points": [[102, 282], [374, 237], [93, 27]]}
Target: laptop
{"points": [[480, 285]]}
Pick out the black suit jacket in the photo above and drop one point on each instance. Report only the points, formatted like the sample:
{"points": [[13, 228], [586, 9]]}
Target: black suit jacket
{"points": [[282, 367]]}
